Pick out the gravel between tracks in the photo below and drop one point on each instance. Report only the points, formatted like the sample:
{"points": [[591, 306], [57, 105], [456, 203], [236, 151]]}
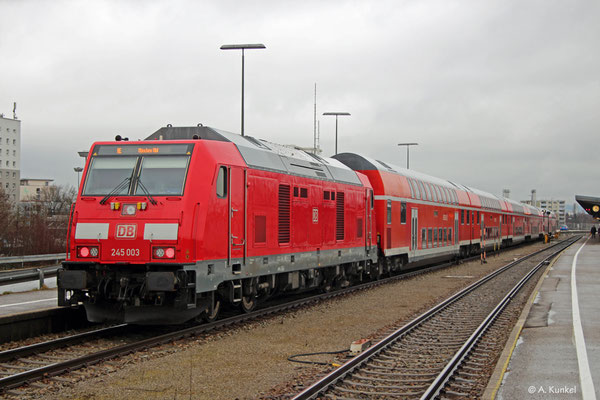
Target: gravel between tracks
{"points": [[251, 361]]}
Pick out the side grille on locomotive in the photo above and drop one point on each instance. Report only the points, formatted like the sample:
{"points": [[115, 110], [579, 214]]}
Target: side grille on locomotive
{"points": [[339, 216], [284, 214]]}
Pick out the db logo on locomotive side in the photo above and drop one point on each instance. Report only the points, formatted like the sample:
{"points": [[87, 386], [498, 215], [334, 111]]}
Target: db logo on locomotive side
{"points": [[126, 231]]}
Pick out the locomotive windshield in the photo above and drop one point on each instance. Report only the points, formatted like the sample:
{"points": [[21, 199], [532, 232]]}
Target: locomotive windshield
{"points": [[162, 175], [119, 171], [107, 172]]}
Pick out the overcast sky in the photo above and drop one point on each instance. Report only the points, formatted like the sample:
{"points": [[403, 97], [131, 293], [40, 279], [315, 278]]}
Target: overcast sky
{"points": [[498, 93]]}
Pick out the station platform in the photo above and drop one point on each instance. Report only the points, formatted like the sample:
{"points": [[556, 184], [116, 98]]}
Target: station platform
{"points": [[554, 352], [16, 303]]}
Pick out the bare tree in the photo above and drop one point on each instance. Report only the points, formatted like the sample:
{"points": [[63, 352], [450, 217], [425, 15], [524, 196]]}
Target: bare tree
{"points": [[40, 225], [6, 223]]}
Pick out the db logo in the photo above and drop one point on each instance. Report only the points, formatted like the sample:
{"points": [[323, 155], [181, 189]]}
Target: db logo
{"points": [[126, 231]]}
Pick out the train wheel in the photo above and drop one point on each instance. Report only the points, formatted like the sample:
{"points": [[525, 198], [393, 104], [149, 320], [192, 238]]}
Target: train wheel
{"points": [[248, 303], [207, 316]]}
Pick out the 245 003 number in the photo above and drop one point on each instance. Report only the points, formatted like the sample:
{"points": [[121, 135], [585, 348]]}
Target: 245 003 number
{"points": [[124, 252]]}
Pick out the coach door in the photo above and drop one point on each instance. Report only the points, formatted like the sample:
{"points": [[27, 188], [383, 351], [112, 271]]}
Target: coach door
{"points": [[456, 240], [368, 220], [414, 231], [237, 218]]}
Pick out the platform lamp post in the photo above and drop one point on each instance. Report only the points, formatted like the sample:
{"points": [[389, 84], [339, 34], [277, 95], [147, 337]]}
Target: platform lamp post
{"points": [[336, 124], [407, 152], [78, 170], [243, 47]]}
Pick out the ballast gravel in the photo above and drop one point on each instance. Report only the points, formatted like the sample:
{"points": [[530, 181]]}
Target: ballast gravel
{"points": [[251, 362]]}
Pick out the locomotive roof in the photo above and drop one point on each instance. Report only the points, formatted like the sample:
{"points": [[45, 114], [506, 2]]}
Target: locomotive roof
{"points": [[260, 154]]}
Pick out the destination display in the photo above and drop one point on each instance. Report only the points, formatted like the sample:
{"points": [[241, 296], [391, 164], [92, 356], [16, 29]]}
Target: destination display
{"points": [[139, 149]]}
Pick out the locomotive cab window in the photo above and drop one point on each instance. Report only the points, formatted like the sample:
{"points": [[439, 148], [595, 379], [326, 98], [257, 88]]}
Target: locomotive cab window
{"points": [[137, 169], [222, 183], [106, 173], [163, 175]]}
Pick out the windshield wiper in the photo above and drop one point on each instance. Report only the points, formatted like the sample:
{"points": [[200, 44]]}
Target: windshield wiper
{"points": [[146, 192], [117, 189]]}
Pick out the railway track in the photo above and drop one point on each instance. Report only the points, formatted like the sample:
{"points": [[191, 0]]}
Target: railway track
{"points": [[27, 364], [443, 353]]}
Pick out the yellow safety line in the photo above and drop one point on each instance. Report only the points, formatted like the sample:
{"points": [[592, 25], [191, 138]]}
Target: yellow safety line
{"points": [[512, 348]]}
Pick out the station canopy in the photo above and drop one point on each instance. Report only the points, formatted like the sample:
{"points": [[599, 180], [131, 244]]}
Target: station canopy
{"points": [[590, 204]]}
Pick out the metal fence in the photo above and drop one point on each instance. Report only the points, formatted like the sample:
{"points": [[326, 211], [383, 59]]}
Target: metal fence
{"points": [[30, 274], [56, 258]]}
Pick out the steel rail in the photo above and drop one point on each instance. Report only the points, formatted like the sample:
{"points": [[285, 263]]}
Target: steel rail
{"points": [[332, 378], [25, 351], [446, 374]]}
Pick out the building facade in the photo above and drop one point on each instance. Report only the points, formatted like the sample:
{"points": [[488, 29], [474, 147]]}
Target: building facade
{"points": [[31, 189], [556, 206], [10, 157]]}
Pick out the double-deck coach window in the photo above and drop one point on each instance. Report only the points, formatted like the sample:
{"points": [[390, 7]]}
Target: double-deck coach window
{"points": [[403, 212], [389, 212]]}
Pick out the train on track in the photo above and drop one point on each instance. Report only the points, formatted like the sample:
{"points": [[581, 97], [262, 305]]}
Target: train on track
{"points": [[171, 228]]}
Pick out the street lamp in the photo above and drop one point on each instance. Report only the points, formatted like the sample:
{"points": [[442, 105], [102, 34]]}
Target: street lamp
{"points": [[242, 47], [336, 123], [407, 153], [78, 170]]}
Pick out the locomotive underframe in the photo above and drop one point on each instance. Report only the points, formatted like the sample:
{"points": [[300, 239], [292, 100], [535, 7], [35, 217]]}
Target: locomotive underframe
{"points": [[174, 293]]}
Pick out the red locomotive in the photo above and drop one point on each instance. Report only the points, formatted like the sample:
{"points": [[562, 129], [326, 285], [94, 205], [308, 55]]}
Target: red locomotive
{"points": [[167, 229]]}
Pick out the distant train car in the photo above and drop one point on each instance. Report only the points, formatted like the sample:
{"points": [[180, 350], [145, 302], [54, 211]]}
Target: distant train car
{"points": [[168, 229], [422, 219], [164, 231]]}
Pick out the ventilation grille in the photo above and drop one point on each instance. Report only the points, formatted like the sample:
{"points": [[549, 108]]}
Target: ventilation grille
{"points": [[284, 214], [359, 227], [389, 238], [339, 216]]}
